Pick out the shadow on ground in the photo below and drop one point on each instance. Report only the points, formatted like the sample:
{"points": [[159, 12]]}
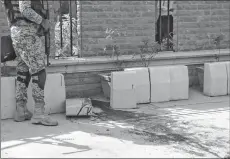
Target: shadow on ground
{"points": [[146, 125], [158, 129]]}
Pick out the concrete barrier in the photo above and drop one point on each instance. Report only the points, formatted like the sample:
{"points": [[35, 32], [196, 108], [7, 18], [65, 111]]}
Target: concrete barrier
{"points": [[227, 64], [123, 94], [142, 84], [215, 79], [179, 82], [160, 84], [55, 95], [8, 100], [79, 107]]}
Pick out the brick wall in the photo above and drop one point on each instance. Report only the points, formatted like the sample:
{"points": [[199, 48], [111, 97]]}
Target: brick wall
{"points": [[194, 23], [135, 19]]}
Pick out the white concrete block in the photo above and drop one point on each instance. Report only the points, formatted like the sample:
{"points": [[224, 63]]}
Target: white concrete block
{"points": [[123, 94], [160, 83], [142, 84], [55, 94], [8, 100], [227, 64], [215, 79], [79, 107], [179, 82]]}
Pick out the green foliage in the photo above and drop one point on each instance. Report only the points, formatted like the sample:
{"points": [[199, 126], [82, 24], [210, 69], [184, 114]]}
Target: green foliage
{"points": [[148, 51], [111, 45]]}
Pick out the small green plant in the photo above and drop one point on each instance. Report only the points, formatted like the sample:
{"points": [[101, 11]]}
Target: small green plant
{"points": [[148, 51], [217, 40], [111, 46]]}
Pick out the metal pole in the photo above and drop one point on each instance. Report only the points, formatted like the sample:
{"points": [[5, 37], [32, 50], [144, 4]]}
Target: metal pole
{"points": [[71, 31], [160, 21], [47, 37], [77, 18], [81, 32], [60, 20], [168, 27]]}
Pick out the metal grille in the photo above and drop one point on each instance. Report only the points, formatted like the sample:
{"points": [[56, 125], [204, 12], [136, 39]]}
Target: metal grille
{"points": [[66, 27], [164, 31], [164, 34]]}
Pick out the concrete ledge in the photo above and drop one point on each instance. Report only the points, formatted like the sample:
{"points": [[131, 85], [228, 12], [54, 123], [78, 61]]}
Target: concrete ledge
{"points": [[92, 64], [162, 59], [81, 74]]}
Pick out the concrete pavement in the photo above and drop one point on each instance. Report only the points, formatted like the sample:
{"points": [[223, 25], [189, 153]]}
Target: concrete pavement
{"points": [[198, 127]]}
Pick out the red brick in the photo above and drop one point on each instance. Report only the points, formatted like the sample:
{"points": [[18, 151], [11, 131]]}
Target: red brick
{"points": [[131, 2], [126, 8], [182, 6], [119, 15], [220, 12], [204, 7], [134, 14], [188, 18], [216, 6], [189, 13], [148, 14]]}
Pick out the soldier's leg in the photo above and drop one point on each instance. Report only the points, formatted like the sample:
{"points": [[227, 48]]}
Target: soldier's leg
{"points": [[36, 62], [32, 53], [22, 82]]}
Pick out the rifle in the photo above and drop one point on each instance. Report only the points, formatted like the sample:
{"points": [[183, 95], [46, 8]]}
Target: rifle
{"points": [[47, 41], [47, 34]]}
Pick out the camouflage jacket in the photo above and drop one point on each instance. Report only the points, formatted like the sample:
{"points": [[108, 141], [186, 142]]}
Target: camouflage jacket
{"points": [[22, 9]]}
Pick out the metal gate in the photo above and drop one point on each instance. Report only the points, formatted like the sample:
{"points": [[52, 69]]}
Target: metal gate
{"points": [[68, 43], [164, 24], [67, 30]]}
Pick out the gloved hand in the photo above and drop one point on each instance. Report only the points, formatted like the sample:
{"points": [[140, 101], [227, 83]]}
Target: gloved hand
{"points": [[45, 24]]}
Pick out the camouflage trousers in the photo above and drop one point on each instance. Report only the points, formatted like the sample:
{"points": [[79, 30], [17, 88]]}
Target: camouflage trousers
{"points": [[31, 60]]}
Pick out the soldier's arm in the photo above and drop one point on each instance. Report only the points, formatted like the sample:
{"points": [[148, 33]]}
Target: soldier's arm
{"points": [[28, 12]]}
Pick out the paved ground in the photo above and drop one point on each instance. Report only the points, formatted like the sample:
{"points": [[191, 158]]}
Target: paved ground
{"points": [[198, 127]]}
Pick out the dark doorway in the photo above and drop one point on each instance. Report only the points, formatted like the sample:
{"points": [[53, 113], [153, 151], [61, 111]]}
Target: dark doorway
{"points": [[164, 24]]}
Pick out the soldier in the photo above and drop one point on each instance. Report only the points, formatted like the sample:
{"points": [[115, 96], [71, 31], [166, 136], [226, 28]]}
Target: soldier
{"points": [[24, 22]]}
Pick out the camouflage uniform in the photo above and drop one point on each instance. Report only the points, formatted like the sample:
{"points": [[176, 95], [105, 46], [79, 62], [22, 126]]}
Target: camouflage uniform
{"points": [[31, 64]]}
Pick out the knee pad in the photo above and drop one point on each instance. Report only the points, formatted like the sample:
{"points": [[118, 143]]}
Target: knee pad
{"points": [[25, 80], [41, 78]]}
